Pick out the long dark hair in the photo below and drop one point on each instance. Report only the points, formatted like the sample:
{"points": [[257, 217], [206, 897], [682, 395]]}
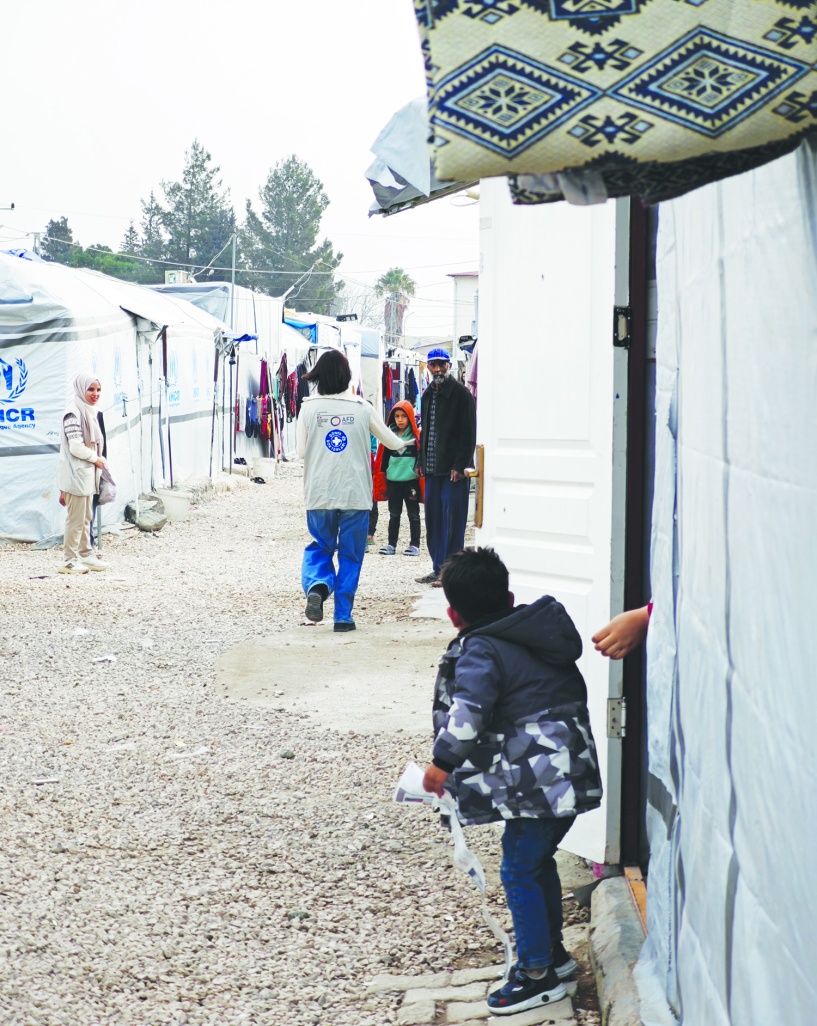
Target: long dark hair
{"points": [[332, 373]]}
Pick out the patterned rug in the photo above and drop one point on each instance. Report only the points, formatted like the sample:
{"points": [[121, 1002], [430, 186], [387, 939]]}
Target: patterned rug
{"points": [[595, 98]]}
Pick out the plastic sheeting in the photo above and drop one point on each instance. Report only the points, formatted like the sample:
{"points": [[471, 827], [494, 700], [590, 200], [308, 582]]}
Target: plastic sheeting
{"points": [[401, 175], [732, 648]]}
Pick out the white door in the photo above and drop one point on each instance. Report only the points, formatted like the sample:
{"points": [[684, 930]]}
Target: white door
{"points": [[550, 415]]}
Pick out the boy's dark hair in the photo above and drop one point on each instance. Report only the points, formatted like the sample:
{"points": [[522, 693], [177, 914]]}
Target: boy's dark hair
{"points": [[332, 373], [475, 582]]}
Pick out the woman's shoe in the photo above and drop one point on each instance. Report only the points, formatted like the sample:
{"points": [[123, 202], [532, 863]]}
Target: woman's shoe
{"points": [[387, 550], [94, 561], [412, 550], [73, 567]]}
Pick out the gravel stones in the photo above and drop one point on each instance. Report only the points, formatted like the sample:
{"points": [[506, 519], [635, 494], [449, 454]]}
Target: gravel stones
{"points": [[175, 868]]}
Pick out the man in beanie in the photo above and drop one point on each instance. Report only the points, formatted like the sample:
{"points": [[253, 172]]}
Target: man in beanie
{"points": [[449, 433]]}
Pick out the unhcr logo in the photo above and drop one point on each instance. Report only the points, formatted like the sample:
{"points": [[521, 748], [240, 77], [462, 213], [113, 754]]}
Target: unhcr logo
{"points": [[13, 381], [13, 390]]}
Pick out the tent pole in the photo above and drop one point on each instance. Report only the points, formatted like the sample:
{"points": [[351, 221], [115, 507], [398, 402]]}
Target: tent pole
{"points": [[152, 423], [232, 410], [167, 410], [215, 400], [223, 410], [138, 483]]}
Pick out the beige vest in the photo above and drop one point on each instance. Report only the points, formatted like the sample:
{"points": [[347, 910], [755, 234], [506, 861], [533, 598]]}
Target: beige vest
{"points": [[76, 475]]}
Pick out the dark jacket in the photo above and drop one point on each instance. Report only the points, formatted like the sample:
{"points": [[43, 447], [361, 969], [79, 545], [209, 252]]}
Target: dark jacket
{"points": [[510, 718], [456, 427]]}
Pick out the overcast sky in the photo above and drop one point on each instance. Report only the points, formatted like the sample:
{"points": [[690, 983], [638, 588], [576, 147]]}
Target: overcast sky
{"points": [[103, 98]]}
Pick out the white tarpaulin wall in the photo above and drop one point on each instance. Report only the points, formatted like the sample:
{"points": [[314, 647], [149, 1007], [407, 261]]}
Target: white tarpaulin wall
{"points": [[245, 311], [56, 322], [732, 646], [373, 353]]}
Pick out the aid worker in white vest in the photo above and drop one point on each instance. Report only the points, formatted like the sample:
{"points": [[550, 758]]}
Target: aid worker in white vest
{"points": [[334, 426]]}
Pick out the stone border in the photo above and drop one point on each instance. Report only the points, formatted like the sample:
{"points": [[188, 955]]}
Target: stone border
{"points": [[616, 938]]}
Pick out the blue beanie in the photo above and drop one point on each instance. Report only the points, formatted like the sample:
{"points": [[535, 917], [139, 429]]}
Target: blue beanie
{"points": [[438, 354]]}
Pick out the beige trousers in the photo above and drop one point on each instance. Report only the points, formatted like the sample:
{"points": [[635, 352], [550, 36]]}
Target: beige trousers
{"points": [[77, 539]]}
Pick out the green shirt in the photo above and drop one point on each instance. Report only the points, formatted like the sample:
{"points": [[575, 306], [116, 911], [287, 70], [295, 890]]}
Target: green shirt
{"points": [[401, 461]]}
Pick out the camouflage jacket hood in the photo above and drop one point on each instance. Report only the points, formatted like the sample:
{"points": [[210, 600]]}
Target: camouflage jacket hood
{"points": [[510, 718]]}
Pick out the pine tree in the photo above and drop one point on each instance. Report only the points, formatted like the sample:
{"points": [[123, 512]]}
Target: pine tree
{"points": [[152, 244], [130, 242], [198, 217], [284, 238], [54, 246]]}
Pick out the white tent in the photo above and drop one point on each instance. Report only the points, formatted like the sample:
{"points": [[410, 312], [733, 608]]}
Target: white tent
{"points": [[731, 643], [154, 356], [244, 311]]}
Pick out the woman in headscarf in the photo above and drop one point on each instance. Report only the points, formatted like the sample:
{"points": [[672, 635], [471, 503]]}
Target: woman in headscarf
{"points": [[78, 473]]}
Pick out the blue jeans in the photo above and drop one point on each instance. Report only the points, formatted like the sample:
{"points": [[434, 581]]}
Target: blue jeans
{"points": [[342, 531], [446, 507], [531, 881]]}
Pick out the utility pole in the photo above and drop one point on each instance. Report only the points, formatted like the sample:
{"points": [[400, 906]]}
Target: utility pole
{"points": [[232, 295]]}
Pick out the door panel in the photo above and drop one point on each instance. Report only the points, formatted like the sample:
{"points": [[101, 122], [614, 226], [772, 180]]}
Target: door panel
{"points": [[550, 392]]}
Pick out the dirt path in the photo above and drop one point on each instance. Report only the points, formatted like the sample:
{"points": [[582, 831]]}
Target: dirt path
{"points": [[196, 786]]}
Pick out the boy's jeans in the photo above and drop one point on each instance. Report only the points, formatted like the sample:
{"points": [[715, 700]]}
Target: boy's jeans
{"points": [[343, 530], [531, 882]]}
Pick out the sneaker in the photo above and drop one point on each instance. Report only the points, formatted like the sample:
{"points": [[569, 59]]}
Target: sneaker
{"points": [[428, 578], [522, 992], [93, 561], [412, 550], [564, 964], [341, 626], [74, 567], [314, 606], [387, 550]]}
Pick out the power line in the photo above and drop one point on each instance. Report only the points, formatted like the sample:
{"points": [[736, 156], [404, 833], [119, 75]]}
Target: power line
{"points": [[244, 270]]}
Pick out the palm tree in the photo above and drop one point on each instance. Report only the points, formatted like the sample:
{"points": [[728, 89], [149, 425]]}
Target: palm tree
{"points": [[397, 287]]}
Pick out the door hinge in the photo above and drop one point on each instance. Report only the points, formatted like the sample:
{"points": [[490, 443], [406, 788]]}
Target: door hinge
{"points": [[622, 326], [616, 717]]}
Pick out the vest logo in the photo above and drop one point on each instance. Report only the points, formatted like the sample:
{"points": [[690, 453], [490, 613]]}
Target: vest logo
{"points": [[336, 441], [14, 389]]}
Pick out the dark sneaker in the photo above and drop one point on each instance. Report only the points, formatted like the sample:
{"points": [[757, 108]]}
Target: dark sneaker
{"points": [[344, 625], [314, 606], [564, 964], [522, 992], [428, 578]]}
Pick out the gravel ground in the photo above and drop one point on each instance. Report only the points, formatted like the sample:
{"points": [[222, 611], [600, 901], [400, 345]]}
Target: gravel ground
{"points": [[173, 856]]}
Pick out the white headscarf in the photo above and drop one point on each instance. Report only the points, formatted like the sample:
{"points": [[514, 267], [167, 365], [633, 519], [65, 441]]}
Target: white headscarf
{"points": [[91, 431]]}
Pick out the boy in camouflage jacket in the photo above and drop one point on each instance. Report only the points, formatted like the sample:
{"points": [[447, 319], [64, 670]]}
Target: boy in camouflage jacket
{"points": [[513, 742]]}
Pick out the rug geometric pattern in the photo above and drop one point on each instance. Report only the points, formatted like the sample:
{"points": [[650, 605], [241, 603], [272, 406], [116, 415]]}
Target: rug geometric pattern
{"points": [[604, 88]]}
